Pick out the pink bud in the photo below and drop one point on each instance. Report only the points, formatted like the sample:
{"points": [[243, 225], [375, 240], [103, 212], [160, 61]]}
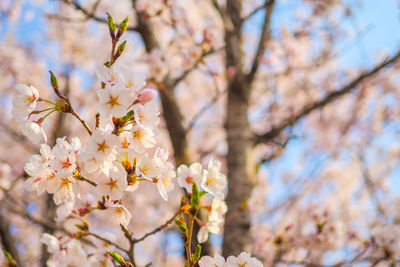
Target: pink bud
{"points": [[147, 95]]}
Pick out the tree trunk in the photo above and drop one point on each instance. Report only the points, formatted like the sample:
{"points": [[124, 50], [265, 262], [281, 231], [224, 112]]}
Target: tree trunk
{"points": [[237, 220]]}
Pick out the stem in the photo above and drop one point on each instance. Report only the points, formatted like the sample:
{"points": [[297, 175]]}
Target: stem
{"points": [[189, 239], [48, 114], [112, 59], [48, 101], [73, 112]]}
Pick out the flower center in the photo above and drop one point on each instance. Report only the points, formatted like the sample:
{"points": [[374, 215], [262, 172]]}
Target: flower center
{"points": [[102, 147], [189, 179], [112, 184], [138, 135], [130, 84], [210, 180], [113, 101], [66, 163], [66, 183]]}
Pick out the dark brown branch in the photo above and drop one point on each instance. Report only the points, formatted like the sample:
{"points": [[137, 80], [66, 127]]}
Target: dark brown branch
{"points": [[265, 36], [175, 82], [131, 252], [257, 9], [107, 241], [276, 130], [158, 229]]}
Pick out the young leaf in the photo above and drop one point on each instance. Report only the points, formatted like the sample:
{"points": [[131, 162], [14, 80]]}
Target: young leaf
{"points": [[197, 253], [182, 227], [116, 257], [195, 199]]}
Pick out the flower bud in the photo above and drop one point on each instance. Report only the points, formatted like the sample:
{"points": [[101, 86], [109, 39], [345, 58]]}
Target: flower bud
{"points": [[122, 27], [147, 95]]}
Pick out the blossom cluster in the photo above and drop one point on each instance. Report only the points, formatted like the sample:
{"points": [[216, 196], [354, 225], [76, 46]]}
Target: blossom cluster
{"points": [[121, 152], [244, 259]]}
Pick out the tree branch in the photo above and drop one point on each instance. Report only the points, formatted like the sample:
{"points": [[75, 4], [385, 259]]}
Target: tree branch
{"points": [[88, 14], [276, 130], [158, 229], [265, 36]]}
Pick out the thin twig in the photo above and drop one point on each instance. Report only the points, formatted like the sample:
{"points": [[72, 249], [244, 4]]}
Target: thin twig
{"points": [[158, 229], [107, 241]]}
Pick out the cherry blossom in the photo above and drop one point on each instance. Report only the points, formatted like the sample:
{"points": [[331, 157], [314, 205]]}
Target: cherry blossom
{"points": [[186, 176]]}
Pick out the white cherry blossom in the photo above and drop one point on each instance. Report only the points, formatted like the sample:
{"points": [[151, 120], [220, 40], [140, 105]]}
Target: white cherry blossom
{"points": [[33, 130], [25, 101], [118, 214], [214, 181], [142, 138], [114, 101], [147, 114], [110, 76], [244, 259], [113, 184], [207, 261], [186, 176]]}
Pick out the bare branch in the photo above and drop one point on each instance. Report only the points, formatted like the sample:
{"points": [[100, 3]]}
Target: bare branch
{"points": [[107, 241], [88, 14], [276, 130], [265, 36], [158, 229]]}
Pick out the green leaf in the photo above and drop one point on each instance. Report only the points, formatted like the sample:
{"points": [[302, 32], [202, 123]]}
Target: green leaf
{"points": [[9, 258], [116, 257], [107, 64], [202, 193], [195, 199], [197, 253], [182, 227], [127, 117]]}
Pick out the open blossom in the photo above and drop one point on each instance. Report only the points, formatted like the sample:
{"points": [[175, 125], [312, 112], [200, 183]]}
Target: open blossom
{"points": [[214, 181], [70, 253], [207, 261], [63, 161], [244, 259], [33, 130], [25, 101], [38, 170], [111, 76], [142, 138], [52, 243], [147, 167], [186, 176], [113, 184], [100, 151], [114, 101], [63, 189], [134, 81], [147, 115], [118, 214], [165, 183], [212, 226], [218, 208]]}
